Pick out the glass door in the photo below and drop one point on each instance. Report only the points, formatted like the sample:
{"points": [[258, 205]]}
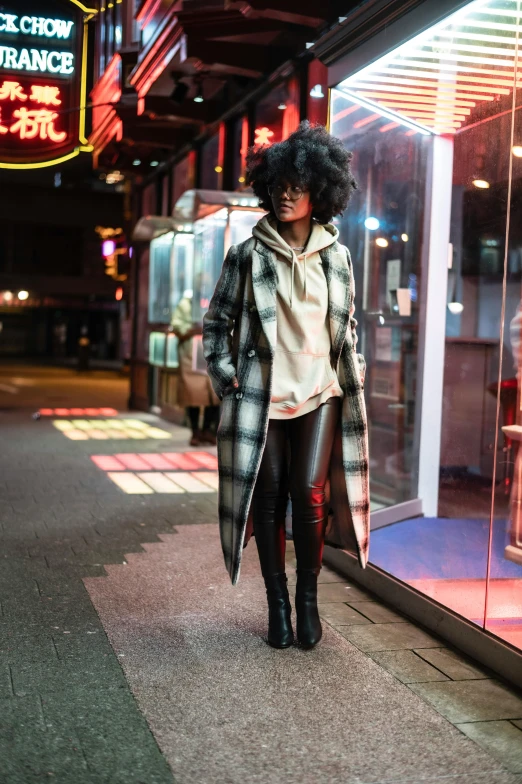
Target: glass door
{"points": [[383, 229]]}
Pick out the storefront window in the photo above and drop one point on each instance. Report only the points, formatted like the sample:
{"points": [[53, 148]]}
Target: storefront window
{"points": [[159, 280], [277, 114], [181, 267], [437, 246]]}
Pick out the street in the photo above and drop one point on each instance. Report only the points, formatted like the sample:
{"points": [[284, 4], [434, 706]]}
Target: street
{"points": [[127, 656]]}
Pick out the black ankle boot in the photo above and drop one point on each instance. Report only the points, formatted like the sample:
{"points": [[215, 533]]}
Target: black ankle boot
{"points": [[309, 630], [280, 634]]}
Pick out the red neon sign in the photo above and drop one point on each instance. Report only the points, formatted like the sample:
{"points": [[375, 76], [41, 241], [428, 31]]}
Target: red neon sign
{"points": [[263, 136], [42, 104]]}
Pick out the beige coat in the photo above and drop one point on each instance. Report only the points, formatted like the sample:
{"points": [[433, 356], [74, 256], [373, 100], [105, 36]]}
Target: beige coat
{"points": [[194, 389]]}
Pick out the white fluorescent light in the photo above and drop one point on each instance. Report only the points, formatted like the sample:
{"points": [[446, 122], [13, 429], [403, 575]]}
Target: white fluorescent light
{"points": [[390, 115]]}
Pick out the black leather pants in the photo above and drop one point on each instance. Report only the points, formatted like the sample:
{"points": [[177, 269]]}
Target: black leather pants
{"points": [[296, 460]]}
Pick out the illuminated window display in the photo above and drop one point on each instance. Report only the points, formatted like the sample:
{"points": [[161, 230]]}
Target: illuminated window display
{"points": [[435, 237]]}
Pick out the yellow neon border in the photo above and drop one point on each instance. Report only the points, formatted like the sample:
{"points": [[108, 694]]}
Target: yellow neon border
{"points": [[84, 142]]}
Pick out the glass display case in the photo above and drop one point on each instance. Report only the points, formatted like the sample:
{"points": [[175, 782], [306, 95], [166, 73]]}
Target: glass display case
{"points": [[159, 278], [219, 219], [157, 344]]}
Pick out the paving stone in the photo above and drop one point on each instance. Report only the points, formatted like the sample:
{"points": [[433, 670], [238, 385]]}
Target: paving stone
{"points": [[501, 739], [518, 723], [465, 701], [341, 592], [378, 613], [407, 667], [388, 637], [337, 614], [453, 664]]}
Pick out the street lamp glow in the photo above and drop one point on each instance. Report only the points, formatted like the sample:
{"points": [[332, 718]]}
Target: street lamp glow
{"points": [[371, 223], [382, 242], [404, 237], [23, 295]]}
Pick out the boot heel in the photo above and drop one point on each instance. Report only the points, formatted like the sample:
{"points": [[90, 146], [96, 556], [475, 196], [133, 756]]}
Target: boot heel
{"points": [[280, 633], [309, 629]]}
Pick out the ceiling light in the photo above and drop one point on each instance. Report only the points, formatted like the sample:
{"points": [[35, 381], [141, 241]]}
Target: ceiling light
{"points": [[372, 224], [136, 162], [517, 151], [198, 98], [404, 237], [282, 105], [381, 242], [455, 308], [154, 163], [218, 169], [481, 183], [316, 92], [23, 295]]}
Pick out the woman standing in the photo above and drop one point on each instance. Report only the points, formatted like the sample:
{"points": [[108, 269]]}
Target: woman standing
{"points": [[194, 389], [280, 343]]}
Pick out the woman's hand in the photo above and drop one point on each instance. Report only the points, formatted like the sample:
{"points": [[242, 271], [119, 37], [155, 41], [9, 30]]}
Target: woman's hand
{"points": [[233, 385]]}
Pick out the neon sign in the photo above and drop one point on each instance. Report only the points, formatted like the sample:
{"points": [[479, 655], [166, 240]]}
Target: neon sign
{"points": [[263, 136], [43, 82], [37, 26]]}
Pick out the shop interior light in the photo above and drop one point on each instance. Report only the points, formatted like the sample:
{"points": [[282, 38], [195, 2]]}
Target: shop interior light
{"points": [[404, 237], [455, 308], [316, 91], [371, 223], [218, 169], [119, 293], [437, 78], [136, 162], [517, 151], [8, 296], [366, 104], [240, 179], [481, 184], [108, 248], [382, 242], [23, 295]]}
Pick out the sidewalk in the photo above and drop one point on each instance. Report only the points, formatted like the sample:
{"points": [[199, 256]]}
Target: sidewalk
{"points": [[127, 656]]}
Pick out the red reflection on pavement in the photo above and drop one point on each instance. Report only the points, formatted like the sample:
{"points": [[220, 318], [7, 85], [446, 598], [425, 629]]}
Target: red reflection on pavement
{"points": [[107, 463], [184, 461], [134, 462], [106, 412], [159, 462]]}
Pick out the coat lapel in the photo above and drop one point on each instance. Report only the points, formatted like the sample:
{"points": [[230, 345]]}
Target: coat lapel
{"points": [[337, 275], [264, 279]]}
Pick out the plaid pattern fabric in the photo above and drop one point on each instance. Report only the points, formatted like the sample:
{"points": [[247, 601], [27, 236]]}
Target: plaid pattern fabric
{"points": [[239, 338]]}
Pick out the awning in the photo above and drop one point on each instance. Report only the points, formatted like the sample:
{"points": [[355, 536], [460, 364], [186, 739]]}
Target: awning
{"points": [[151, 226], [195, 204]]}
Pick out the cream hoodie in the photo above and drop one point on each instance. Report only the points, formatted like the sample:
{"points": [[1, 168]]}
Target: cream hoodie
{"points": [[303, 376]]}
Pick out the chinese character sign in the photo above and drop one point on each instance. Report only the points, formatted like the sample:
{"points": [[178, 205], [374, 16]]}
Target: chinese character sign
{"points": [[41, 74]]}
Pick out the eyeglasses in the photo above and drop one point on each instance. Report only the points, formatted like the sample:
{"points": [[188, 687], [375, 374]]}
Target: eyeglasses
{"points": [[293, 192]]}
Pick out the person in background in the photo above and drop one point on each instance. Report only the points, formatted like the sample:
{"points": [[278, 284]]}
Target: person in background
{"points": [[280, 343], [194, 388]]}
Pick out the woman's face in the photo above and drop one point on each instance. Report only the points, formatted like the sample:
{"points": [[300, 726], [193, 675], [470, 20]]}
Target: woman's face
{"points": [[290, 202]]}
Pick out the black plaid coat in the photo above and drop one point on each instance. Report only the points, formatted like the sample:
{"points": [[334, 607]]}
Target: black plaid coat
{"points": [[239, 338]]}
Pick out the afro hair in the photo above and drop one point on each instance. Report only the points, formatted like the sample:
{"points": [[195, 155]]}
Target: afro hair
{"points": [[313, 160]]}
